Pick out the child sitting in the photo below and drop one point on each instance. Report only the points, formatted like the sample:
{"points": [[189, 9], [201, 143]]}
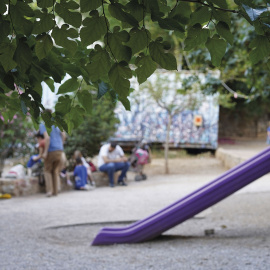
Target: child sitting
{"points": [[80, 175], [35, 160], [78, 154]]}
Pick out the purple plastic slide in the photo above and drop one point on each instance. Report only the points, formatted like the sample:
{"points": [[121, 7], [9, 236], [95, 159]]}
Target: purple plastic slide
{"points": [[189, 206]]}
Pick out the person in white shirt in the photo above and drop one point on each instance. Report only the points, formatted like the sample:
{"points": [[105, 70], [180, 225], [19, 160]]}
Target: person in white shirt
{"points": [[111, 158]]}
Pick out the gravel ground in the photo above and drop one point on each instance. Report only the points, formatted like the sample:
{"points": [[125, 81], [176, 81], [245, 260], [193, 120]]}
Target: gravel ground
{"points": [[55, 233]]}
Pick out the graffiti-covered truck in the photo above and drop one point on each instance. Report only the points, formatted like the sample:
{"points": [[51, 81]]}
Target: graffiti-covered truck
{"points": [[190, 127]]}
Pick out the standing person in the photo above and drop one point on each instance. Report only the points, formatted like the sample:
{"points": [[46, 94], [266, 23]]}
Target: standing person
{"points": [[143, 154], [111, 158], [52, 158]]}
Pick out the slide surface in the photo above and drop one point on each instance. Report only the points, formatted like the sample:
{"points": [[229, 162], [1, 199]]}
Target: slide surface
{"points": [[192, 204]]}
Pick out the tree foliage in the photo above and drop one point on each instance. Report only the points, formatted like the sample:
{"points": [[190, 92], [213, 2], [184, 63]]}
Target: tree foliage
{"points": [[170, 92], [17, 138], [103, 43], [93, 130]]}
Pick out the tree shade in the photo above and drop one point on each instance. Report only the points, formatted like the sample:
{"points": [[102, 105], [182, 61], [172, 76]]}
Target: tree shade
{"points": [[102, 44]]}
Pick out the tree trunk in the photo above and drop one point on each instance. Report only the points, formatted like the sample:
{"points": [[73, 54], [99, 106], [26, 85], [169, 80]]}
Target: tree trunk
{"points": [[166, 152]]}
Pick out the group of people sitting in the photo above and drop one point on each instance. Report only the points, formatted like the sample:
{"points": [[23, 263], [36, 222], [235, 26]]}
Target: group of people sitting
{"points": [[79, 167], [111, 158]]}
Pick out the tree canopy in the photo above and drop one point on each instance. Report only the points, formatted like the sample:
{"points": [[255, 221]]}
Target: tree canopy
{"points": [[94, 129], [101, 44]]}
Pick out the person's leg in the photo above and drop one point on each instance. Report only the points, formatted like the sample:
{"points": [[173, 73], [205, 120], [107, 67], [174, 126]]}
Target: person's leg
{"points": [[123, 167], [109, 168], [57, 155], [48, 174], [90, 176]]}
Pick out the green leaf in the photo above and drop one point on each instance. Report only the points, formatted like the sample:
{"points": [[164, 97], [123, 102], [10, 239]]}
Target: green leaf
{"points": [[170, 24], [63, 105], [224, 31], [165, 60], [3, 100], [20, 24], [62, 38], [119, 75], [219, 3], [37, 88], [73, 5], [45, 3], [50, 83], [35, 95], [61, 123], [88, 36], [87, 5], [73, 70], [195, 37], [85, 98], [6, 55], [24, 9], [139, 39], [9, 81], [136, 9], [46, 23], [70, 85], [3, 7], [71, 17], [4, 28], [99, 66], [152, 6], [146, 67], [23, 56], [125, 101], [200, 15], [54, 66], [261, 49], [117, 12], [103, 88], [120, 51], [47, 118], [23, 107], [217, 49], [43, 46], [221, 16], [75, 116], [181, 12], [34, 110], [259, 27]]}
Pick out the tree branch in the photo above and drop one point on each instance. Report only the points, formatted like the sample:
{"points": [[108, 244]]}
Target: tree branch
{"points": [[108, 30], [11, 18], [232, 91], [204, 4]]}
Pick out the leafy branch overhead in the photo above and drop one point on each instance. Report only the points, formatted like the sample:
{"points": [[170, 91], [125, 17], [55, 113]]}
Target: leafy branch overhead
{"points": [[103, 43]]}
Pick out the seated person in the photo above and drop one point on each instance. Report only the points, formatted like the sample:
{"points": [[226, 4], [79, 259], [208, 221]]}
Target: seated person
{"points": [[80, 176], [111, 158], [77, 154], [34, 159]]}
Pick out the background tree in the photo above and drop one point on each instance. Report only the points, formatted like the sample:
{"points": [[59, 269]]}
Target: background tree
{"points": [[42, 41], [94, 129], [169, 93], [243, 86], [17, 138]]}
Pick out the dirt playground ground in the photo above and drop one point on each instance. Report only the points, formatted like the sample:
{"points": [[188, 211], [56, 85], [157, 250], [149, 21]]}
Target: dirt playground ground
{"points": [[55, 233]]}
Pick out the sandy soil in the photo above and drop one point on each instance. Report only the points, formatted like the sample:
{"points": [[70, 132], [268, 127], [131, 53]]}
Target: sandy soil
{"points": [[186, 165]]}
